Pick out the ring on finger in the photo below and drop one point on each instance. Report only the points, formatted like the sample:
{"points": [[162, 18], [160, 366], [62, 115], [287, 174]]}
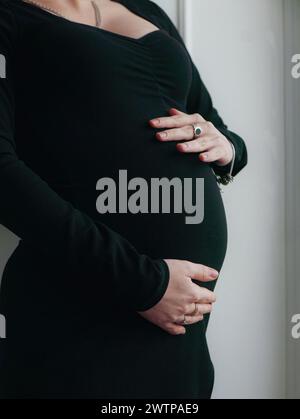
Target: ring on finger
{"points": [[195, 312], [184, 322], [197, 130]]}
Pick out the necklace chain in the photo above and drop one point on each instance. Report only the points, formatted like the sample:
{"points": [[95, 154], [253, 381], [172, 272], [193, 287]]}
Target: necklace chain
{"points": [[59, 13]]}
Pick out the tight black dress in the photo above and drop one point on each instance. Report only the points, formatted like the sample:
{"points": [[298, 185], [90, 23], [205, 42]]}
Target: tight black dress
{"points": [[74, 108]]}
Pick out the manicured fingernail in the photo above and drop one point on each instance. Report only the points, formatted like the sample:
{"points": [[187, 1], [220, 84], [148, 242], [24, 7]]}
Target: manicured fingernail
{"points": [[204, 156], [213, 274], [155, 121], [162, 135]]}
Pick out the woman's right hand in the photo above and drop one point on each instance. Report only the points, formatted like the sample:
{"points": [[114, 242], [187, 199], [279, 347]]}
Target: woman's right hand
{"points": [[182, 297]]}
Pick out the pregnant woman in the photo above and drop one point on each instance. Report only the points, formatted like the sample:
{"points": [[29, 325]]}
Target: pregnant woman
{"points": [[107, 304]]}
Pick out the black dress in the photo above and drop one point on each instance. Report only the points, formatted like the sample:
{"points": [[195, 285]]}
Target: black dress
{"points": [[74, 108]]}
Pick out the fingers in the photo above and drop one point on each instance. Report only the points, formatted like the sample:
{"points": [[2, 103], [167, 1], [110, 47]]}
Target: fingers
{"points": [[174, 329], [194, 319], [203, 295], [176, 134], [212, 155], [199, 145], [199, 309], [176, 121], [204, 308], [188, 319], [211, 144], [168, 326], [180, 129], [201, 272]]}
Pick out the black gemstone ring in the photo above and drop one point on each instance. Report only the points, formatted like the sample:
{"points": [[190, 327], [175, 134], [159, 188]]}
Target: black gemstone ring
{"points": [[197, 130]]}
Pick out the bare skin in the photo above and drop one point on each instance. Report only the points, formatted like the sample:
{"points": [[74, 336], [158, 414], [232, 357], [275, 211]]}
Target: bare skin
{"points": [[184, 300], [212, 146]]}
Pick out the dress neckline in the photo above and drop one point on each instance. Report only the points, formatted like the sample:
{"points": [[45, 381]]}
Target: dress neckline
{"points": [[129, 5]]}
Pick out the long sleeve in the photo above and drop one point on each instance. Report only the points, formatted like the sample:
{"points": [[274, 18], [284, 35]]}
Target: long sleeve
{"points": [[40, 217], [200, 101]]}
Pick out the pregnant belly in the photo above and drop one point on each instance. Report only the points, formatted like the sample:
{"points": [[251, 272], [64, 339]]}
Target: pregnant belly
{"points": [[130, 170], [129, 144]]}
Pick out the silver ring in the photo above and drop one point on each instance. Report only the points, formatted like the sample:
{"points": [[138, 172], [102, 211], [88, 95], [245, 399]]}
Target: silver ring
{"points": [[185, 322], [195, 312], [197, 130]]}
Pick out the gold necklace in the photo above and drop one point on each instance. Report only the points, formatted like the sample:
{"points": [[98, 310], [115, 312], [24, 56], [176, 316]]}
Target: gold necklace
{"points": [[58, 12]]}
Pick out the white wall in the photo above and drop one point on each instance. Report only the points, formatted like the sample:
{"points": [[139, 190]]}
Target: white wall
{"points": [[292, 47], [238, 47], [170, 6]]}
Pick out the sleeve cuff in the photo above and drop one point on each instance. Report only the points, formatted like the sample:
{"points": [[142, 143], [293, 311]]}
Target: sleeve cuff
{"points": [[163, 270]]}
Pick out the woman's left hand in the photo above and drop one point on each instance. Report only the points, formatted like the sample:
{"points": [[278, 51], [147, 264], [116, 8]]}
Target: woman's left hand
{"points": [[212, 145]]}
